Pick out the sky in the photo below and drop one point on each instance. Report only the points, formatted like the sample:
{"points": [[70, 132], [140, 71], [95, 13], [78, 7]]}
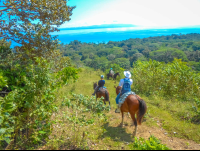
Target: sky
{"points": [[141, 13]]}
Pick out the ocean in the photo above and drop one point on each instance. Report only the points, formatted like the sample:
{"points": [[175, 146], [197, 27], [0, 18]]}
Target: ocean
{"points": [[102, 36]]}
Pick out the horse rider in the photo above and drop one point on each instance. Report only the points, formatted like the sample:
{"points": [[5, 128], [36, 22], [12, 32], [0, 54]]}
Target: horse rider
{"points": [[100, 84], [126, 87], [111, 71]]}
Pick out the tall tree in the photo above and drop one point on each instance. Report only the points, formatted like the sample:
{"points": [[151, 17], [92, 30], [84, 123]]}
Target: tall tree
{"points": [[29, 23]]}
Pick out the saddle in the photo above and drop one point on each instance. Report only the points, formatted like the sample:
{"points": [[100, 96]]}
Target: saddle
{"points": [[124, 96], [102, 89]]}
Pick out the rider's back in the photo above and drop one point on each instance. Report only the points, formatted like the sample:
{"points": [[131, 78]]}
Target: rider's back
{"points": [[111, 72], [126, 85], [101, 83]]}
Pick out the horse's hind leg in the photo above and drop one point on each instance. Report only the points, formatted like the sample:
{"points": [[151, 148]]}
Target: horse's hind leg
{"points": [[134, 121], [128, 114]]}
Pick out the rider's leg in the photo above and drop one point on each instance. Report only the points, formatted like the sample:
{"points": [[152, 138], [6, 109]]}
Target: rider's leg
{"points": [[95, 90], [117, 102], [117, 99]]}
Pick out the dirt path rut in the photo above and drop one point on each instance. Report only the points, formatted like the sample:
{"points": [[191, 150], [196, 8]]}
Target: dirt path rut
{"points": [[144, 131]]}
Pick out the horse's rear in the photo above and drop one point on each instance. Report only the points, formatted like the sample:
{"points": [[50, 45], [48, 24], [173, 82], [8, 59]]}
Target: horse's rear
{"points": [[105, 93], [135, 106]]}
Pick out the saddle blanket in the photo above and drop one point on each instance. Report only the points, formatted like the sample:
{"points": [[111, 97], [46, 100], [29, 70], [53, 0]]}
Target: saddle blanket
{"points": [[124, 96], [102, 88]]}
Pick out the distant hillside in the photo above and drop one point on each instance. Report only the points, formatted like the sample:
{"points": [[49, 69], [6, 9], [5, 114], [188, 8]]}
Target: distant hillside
{"points": [[126, 52]]}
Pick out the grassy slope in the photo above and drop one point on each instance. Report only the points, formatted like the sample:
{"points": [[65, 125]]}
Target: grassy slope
{"points": [[111, 135]]}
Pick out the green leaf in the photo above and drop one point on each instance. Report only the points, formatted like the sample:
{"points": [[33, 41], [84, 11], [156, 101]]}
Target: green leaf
{"points": [[1, 119], [42, 132], [2, 130], [7, 140], [8, 106]]}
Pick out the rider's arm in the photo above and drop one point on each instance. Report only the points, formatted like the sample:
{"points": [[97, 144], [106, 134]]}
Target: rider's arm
{"points": [[121, 82], [131, 81], [99, 82]]}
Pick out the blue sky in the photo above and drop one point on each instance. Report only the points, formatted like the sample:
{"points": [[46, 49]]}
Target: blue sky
{"points": [[142, 13]]}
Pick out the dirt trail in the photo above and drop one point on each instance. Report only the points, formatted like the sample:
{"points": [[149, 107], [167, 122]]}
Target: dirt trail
{"points": [[145, 131]]}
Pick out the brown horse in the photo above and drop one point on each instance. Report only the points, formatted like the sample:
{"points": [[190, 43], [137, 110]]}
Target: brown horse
{"points": [[102, 92], [134, 105]]}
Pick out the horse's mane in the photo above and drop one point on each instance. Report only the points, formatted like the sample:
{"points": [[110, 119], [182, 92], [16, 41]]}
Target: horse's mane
{"points": [[118, 88]]}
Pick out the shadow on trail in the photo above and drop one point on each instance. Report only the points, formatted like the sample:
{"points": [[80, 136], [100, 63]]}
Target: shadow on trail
{"points": [[116, 133]]}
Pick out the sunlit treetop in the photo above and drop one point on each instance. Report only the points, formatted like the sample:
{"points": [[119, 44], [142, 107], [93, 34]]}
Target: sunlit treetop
{"points": [[29, 22]]}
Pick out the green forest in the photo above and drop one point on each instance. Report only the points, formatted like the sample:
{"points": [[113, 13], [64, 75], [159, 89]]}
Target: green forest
{"points": [[46, 87], [125, 53]]}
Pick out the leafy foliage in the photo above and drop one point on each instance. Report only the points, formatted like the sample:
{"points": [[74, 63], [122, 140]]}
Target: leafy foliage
{"points": [[30, 107], [34, 70], [174, 80], [168, 55], [151, 144], [29, 24], [81, 113], [126, 52], [196, 108], [3, 81]]}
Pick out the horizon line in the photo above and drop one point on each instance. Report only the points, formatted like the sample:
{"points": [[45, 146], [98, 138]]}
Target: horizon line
{"points": [[124, 26]]}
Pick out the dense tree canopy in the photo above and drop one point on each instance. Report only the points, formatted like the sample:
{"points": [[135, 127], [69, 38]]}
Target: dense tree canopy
{"points": [[29, 23], [168, 55], [161, 48]]}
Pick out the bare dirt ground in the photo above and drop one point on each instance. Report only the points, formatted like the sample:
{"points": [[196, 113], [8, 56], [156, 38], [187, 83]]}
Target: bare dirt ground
{"points": [[145, 132]]}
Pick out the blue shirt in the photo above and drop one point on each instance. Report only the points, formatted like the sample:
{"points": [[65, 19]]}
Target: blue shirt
{"points": [[122, 81], [101, 83]]}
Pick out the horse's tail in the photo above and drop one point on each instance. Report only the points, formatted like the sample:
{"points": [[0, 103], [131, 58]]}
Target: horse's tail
{"points": [[142, 111], [107, 96]]}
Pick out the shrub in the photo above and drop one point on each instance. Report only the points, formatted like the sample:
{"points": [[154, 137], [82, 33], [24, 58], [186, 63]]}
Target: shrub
{"points": [[26, 111], [173, 80], [151, 144]]}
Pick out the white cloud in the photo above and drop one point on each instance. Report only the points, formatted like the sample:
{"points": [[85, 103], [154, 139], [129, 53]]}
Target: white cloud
{"points": [[145, 13]]}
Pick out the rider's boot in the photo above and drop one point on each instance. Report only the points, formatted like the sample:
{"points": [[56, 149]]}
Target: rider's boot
{"points": [[118, 109], [95, 90]]}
